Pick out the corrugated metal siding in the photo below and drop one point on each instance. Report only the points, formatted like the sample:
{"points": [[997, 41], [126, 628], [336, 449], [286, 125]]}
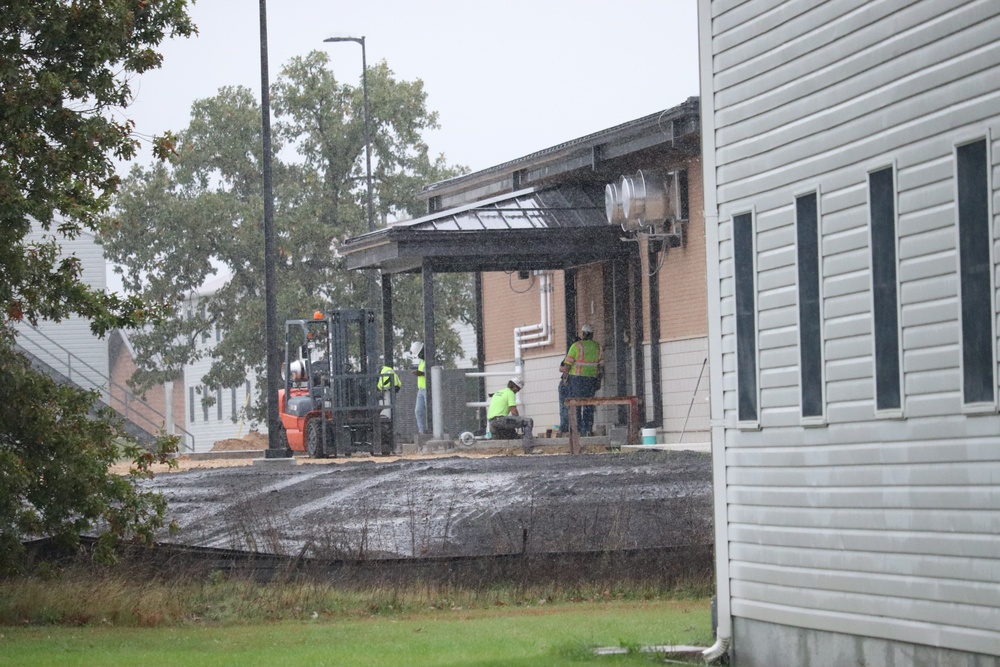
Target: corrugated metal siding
{"points": [[867, 526]]}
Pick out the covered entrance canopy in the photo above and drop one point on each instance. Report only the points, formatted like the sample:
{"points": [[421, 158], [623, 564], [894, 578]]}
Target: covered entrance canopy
{"points": [[544, 211], [547, 228]]}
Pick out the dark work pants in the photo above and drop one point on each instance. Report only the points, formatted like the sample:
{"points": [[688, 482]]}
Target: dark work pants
{"points": [[563, 409], [583, 387]]}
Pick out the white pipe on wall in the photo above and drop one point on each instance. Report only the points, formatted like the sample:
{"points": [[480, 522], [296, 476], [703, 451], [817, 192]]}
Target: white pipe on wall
{"points": [[536, 335]]}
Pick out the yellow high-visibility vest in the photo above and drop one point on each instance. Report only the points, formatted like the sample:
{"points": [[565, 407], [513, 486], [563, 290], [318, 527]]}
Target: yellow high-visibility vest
{"points": [[388, 378], [584, 358]]}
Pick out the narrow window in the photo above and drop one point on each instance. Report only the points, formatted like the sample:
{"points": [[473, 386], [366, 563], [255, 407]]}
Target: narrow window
{"points": [[810, 341], [191, 404], [204, 407], [232, 396], [746, 321], [202, 313], [218, 403], [978, 384], [882, 207]]}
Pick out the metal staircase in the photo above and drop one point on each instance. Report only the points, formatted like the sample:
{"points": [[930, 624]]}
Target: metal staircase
{"points": [[141, 420]]}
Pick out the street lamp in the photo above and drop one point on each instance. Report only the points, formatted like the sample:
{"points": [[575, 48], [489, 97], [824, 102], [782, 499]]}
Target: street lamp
{"points": [[368, 136], [277, 448]]}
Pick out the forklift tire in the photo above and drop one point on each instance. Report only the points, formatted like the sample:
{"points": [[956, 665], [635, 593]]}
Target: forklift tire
{"points": [[314, 439], [388, 445]]}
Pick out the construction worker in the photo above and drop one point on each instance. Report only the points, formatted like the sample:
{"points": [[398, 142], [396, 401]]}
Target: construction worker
{"points": [[504, 419], [420, 409], [583, 369], [563, 395], [387, 377]]}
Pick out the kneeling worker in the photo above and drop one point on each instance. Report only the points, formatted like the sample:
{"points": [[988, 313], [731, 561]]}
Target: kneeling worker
{"points": [[503, 418]]}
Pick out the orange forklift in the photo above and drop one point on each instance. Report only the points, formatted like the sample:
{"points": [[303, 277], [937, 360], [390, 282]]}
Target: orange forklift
{"points": [[331, 404]]}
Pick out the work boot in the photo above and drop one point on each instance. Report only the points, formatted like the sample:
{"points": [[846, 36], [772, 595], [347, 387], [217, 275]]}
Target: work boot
{"points": [[528, 439]]}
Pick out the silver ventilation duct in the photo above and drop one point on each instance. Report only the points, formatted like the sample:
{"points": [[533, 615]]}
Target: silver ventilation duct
{"points": [[643, 201], [644, 198], [613, 207]]}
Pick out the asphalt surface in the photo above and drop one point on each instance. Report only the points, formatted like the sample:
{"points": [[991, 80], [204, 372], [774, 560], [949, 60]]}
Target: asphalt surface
{"points": [[449, 506]]}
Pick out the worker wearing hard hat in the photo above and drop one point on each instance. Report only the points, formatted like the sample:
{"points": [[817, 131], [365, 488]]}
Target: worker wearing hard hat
{"points": [[420, 409], [503, 416], [583, 368]]}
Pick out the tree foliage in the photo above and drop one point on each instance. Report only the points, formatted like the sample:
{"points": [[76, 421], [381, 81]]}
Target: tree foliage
{"points": [[176, 224], [55, 461], [65, 74], [66, 70]]}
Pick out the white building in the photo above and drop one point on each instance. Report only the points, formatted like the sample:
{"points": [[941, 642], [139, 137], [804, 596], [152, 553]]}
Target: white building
{"points": [[224, 418], [68, 347], [852, 167]]}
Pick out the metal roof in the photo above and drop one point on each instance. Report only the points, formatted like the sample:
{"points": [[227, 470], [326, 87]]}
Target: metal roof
{"points": [[551, 228], [544, 211]]}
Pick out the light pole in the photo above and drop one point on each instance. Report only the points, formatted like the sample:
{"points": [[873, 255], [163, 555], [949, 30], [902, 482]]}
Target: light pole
{"points": [[276, 447], [368, 136]]}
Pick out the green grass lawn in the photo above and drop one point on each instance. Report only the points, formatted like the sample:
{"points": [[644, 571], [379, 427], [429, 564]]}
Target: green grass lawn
{"points": [[546, 635]]}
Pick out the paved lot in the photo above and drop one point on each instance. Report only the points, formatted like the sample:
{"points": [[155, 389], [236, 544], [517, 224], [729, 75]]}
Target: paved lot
{"points": [[445, 506]]}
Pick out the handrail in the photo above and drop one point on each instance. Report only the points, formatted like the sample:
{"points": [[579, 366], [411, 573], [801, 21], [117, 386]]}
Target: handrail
{"points": [[109, 397]]}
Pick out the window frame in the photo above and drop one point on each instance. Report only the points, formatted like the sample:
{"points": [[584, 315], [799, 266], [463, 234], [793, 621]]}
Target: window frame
{"points": [[977, 407], [890, 412], [819, 419], [747, 424]]}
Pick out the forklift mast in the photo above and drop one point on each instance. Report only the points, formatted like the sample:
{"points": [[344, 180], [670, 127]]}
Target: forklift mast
{"points": [[354, 364], [332, 403]]}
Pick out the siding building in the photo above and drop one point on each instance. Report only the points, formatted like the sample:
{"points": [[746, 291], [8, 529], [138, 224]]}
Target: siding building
{"points": [[851, 189]]}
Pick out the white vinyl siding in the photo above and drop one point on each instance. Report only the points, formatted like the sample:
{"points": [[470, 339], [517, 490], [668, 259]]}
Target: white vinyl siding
{"points": [[69, 346], [221, 420], [871, 527]]}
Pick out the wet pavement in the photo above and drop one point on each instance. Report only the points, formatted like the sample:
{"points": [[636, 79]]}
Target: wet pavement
{"points": [[447, 506]]}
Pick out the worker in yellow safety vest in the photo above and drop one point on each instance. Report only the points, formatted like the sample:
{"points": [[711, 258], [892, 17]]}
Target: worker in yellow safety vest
{"points": [[583, 370], [387, 377]]}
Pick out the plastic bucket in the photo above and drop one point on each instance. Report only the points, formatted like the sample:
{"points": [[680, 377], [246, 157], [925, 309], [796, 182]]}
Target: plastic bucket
{"points": [[649, 436]]}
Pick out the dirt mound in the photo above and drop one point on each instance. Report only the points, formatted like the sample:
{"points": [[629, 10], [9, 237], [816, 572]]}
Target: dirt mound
{"points": [[252, 440]]}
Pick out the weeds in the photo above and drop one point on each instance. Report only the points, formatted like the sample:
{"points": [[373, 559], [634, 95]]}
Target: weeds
{"points": [[85, 594]]}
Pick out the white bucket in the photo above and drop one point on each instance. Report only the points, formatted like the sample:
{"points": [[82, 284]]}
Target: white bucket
{"points": [[649, 436]]}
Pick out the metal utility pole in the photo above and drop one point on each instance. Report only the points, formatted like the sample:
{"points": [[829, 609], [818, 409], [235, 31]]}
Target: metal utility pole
{"points": [[368, 136], [373, 294], [275, 444]]}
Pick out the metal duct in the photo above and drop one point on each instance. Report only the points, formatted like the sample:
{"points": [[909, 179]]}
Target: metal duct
{"points": [[613, 204], [644, 198]]}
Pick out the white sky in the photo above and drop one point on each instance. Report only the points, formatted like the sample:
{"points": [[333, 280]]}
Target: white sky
{"points": [[506, 78]]}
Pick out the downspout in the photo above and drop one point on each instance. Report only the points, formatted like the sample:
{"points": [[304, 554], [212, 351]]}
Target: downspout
{"points": [[724, 631]]}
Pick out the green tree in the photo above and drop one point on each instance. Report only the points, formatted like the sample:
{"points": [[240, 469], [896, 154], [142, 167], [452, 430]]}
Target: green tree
{"points": [[176, 224], [65, 76]]}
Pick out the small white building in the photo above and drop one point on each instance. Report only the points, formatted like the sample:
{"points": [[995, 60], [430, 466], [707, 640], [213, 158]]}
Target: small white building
{"points": [[852, 184], [224, 418]]}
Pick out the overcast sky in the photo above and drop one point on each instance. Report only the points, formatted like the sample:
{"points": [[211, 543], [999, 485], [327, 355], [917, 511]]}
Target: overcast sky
{"points": [[506, 78]]}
